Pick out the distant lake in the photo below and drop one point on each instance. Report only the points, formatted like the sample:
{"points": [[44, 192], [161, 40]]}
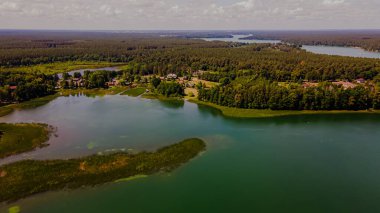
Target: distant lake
{"points": [[328, 50], [237, 38], [341, 51], [81, 71], [316, 163]]}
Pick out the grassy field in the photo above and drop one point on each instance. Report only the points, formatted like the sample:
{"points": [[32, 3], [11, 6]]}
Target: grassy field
{"points": [[25, 178], [261, 113], [19, 138], [134, 92], [60, 67]]}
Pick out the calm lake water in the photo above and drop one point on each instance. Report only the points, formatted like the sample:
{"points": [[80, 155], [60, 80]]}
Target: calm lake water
{"points": [[237, 38], [81, 71], [289, 164], [328, 50]]}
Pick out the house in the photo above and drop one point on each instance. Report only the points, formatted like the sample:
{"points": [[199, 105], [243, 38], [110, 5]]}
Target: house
{"points": [[110, 83], [360, 81], [190, 84], [78, 82], [113, 83], [171, 76]]}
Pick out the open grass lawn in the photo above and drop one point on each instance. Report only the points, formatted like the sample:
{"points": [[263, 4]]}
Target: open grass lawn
{"points": [[19, 138], [60, 67]]}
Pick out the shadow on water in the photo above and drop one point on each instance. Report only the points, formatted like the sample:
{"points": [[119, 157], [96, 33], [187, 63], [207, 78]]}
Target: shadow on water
{"points": [[295, 119], [173, 104], [207, 111]]}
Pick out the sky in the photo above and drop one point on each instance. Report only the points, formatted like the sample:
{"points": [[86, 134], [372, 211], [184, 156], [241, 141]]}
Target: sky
{"points": [[189, 14]]}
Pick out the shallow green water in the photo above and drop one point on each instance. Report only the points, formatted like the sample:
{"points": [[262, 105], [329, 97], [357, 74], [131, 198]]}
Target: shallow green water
{"points": [[290, 164]]}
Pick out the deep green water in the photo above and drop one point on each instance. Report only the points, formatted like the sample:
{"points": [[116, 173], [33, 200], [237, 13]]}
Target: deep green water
{"points": [[290, 164]]}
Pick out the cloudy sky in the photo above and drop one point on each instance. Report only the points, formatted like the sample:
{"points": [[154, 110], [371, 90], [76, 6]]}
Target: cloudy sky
{"points": [[189, 14]]}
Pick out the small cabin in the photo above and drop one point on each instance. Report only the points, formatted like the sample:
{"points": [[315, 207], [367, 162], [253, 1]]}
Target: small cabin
{"points": [[360, 81], [172, 76]]}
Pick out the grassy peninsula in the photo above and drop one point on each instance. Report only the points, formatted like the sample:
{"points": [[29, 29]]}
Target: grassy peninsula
{"points": [[266, 113], [25, 178], [7, 109], [19, 138]]}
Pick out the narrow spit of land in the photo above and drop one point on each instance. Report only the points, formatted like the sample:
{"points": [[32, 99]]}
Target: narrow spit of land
{"points": [[25, 178]]}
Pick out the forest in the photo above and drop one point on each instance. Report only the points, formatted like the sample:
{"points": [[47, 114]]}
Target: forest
{"points": [[264, 94], [259, 76], [20, 86], [366, 39]]}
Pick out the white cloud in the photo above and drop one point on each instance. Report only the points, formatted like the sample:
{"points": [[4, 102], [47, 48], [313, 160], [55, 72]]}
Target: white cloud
{"points": [[9, 6], [247, 5], [333, 2], [189, 14], [109, 10]]}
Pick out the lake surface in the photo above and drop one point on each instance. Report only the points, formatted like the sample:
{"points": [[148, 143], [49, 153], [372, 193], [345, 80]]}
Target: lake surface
{"points": [[81, 71], [328, 50], [342, 51], [237, 38], [317, 163]]}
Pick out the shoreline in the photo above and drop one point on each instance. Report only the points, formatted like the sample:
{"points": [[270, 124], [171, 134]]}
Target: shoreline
{"points": [[225, 111], [19, 138], [266, 113]]}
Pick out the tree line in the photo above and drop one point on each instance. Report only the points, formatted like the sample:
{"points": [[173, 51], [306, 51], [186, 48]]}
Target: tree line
{"points": [[19, 86], [263, 94]]}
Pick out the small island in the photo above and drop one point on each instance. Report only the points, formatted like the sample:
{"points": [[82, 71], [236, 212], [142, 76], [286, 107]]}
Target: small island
{"points": [[25, 178]]}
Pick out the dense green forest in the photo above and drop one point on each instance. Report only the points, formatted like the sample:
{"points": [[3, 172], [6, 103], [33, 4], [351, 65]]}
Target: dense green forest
{"points": [[21, 86], [250, 76], [264, 94]]}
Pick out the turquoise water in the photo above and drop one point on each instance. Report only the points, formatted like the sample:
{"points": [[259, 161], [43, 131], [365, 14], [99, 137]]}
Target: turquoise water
{"points": [[319, 163]]}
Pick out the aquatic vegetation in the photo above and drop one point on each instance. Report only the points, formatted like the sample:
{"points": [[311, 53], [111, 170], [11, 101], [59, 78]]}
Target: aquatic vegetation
{"points": [[19, 138], [91, 145], [30, 177], [14, 209], [131, 178]]}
